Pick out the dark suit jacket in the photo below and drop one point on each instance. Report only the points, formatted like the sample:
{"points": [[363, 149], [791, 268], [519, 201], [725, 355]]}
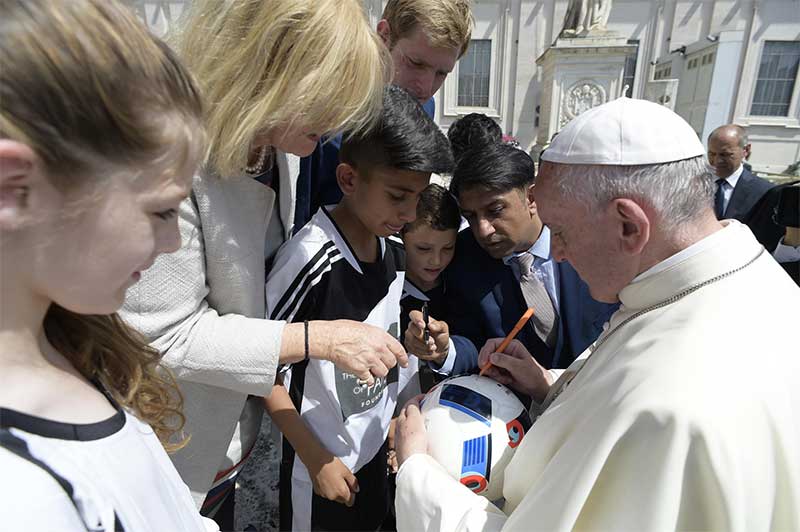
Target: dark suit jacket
{"points": [[761, 220], [484, 300], [748, 191]]}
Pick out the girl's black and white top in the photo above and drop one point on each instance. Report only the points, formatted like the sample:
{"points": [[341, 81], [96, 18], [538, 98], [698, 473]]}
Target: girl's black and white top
{"points": [[109, 475], [316, 276]]}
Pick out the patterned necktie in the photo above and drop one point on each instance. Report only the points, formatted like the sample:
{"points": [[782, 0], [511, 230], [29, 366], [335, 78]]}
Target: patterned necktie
{"points": [[719, 199], [536, 296]]}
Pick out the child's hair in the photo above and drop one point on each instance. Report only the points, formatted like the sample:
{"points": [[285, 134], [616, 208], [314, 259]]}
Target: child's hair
{"points": [[405, 138], [272, 64], [436, 209], [471, 132], [493, 168], [89, 90], [446, 23]]}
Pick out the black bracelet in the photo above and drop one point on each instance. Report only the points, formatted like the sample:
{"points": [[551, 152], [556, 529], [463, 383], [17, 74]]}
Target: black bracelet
{"points": [[305, 328]]}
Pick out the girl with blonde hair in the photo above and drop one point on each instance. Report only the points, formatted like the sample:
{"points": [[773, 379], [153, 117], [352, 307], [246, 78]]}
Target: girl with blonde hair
{"points": [[275, 75], [100, 131]]}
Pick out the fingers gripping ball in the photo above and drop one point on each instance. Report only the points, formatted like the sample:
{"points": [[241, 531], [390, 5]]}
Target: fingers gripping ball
{"points": [[474, 426]]}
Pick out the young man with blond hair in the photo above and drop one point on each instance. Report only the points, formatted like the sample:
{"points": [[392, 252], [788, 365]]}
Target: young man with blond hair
{"points": [[425, 38]]}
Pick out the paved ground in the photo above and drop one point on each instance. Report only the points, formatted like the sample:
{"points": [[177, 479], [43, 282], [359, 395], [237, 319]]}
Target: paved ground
{"points": [[257, 486]]}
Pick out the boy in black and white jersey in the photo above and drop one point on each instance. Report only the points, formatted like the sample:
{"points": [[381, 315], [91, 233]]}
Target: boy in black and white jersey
{"points": [[340, 267]]}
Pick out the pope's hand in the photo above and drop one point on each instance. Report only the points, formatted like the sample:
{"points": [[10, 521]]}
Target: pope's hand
{"points": [[516, 368], [360, 349], [410, 434], [438, 344]]}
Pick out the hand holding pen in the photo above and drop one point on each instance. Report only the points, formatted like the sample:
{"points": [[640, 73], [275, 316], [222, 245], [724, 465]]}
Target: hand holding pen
{"points": [[426, 337], [508, 362], [507, 340]]}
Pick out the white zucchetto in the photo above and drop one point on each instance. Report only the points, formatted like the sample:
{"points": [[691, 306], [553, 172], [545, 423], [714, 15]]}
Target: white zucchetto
{"points": [[625, 132]]}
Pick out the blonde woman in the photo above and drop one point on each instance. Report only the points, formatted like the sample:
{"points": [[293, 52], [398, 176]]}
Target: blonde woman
{"points": [[275, 75], [100, 132]]}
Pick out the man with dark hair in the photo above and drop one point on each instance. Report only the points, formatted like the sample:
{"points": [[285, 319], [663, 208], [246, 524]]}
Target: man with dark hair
{"points": [[472, 132], [339, 266], [737, 189], [502, 267]]}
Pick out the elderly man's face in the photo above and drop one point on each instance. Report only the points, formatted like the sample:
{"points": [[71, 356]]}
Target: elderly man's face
{"points": [[724, 154], [502, 222], [586, 239]]}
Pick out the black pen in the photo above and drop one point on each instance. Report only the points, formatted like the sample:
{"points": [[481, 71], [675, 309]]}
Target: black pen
{"points": [[426, 334]]}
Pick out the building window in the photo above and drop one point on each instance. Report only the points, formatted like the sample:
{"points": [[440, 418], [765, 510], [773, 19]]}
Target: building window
{"points": [[776, 76], [473, 74], [664, 72], [629, 74]]}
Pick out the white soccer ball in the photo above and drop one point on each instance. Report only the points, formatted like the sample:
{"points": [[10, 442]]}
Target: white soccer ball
{"points": [[474, 425]]}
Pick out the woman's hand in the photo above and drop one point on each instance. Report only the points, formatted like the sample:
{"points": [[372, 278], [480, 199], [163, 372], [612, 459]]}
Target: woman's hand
{"points": [[358, 348]]}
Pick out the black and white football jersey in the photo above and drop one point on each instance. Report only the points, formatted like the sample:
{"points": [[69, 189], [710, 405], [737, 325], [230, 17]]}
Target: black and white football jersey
{"points": [[316, 276]]}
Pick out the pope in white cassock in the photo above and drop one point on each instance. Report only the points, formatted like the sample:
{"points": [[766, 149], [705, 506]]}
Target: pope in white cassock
{"points": [[685, 413]]}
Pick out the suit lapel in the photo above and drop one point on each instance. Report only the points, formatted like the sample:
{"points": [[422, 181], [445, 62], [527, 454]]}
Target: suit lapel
{"points": [[742, 199]]}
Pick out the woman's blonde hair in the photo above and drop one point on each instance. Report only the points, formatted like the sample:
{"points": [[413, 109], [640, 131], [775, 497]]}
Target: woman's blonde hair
{"points": [[88, 89], [446, 23], [267, 64]]}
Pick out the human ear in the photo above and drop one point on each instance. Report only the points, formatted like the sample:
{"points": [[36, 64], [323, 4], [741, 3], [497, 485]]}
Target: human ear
{"points": [[385, 31], [633, 224], [347, 178], [531, 200], [17, 178]]}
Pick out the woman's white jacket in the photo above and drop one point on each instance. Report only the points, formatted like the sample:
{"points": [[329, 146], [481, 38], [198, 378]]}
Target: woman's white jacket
{"points": [[203, 308]]}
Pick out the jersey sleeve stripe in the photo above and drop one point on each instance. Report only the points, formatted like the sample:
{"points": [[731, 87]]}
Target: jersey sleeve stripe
{"points": [[313, 278], [299, 278]]}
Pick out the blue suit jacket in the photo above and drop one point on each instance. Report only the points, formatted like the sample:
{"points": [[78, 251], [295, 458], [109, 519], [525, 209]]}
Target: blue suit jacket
{"points": [[484, 301]]}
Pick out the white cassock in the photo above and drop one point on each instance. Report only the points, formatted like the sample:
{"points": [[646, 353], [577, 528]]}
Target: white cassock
{"points": [[686, 417]]}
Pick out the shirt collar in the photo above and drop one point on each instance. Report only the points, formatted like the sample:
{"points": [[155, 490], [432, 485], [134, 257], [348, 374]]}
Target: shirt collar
{"points": [[540, 249], [734, 177]]}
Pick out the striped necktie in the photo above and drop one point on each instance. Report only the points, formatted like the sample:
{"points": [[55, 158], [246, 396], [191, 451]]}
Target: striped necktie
{"points": [[533, 290]]}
